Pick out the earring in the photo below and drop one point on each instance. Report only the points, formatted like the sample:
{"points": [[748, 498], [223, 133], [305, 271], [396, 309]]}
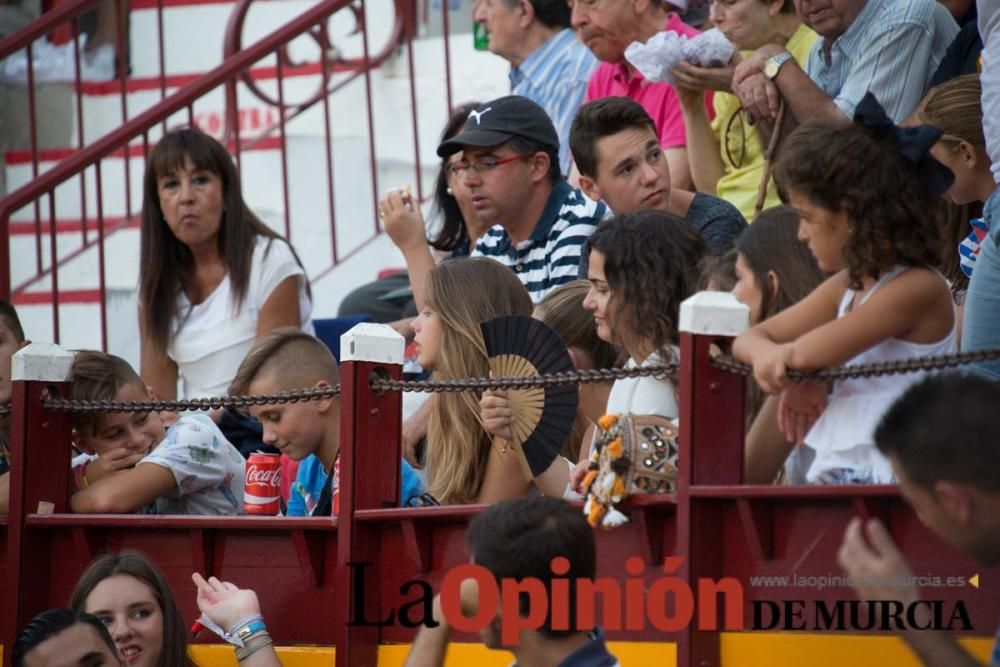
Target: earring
{"points": [[450, 191]]}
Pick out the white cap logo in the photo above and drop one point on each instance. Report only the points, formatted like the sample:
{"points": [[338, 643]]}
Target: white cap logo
{"points": [[479, 114]]}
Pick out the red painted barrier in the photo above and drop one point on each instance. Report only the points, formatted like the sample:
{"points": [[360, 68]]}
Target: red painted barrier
{"points": [[313, 576]]}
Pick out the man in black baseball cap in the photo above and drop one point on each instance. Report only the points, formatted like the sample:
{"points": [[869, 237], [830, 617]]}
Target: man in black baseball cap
{"points": [[510, 164], [500, 121]]}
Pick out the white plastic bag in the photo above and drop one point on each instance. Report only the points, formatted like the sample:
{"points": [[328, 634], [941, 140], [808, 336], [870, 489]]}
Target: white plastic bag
{"points": [[665, 50]]}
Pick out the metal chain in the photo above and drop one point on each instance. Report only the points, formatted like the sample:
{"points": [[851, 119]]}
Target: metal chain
{"points": [[724, 362], [552, 380], [213, 403], [377, 384], [729, 364]]}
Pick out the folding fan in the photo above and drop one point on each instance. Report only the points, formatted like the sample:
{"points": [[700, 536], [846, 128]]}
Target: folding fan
{"points": [[521, 346]]}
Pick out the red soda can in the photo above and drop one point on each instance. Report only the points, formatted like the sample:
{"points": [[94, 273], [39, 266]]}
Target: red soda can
{"points": [[262, 491]]}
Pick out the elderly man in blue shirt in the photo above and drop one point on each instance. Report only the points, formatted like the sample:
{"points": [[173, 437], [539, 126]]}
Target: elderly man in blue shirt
{"points": [[549, 65], [889, 47]]}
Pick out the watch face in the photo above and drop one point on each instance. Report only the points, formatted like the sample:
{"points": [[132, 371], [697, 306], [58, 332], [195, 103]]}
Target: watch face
{"points": [[771, 69]]}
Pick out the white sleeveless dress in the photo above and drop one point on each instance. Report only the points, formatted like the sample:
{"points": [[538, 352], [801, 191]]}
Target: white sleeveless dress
{"points": [[842, 439]]}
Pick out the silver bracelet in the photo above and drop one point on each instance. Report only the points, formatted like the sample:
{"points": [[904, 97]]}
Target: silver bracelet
{"points": [[245, 652]]}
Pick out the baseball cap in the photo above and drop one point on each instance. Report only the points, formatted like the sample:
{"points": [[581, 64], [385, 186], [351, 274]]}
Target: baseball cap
{"points": [[498, 121]]}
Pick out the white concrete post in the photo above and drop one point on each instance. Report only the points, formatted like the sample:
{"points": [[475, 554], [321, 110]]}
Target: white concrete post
{"points": [[377, 343], [42, 362], [714, 313]]}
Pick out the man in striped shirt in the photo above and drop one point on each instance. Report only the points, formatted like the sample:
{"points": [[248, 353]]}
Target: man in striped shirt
{"points": [[549, 65], [888, 47], [510, 163]]}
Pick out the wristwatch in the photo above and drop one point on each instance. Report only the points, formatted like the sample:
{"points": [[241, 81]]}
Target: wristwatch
{"points": [[773, 64]]}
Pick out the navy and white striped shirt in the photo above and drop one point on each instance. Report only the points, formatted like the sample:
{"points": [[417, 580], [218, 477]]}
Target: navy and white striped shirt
{"points": [[892, 49], [551, 255], [555, 78]]}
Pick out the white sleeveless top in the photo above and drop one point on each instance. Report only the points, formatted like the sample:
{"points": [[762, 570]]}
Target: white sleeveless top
{"points": [[843, 436], [215, 336], [644, 395]]}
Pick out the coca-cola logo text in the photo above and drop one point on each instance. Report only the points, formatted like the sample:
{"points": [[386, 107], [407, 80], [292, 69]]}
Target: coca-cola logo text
{"points": [[263, 476]]}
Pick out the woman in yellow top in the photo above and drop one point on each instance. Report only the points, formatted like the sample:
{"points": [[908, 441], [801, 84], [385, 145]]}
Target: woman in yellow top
{"points": [[727, 154]]}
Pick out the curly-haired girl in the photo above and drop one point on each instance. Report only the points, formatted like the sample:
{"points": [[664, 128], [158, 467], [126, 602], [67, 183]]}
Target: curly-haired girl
{"points": [[865, 195], [642, 265]]}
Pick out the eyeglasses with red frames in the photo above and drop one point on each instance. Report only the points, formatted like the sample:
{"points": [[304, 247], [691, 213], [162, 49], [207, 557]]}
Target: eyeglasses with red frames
{"points": [[485, 165]]}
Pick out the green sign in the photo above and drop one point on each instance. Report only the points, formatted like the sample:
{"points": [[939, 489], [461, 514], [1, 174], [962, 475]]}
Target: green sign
{"points": [[480, 37]]}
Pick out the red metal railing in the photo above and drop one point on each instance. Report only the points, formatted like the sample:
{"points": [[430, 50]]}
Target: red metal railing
{"points": [[302, 568], [334, 71], [63, 24]]}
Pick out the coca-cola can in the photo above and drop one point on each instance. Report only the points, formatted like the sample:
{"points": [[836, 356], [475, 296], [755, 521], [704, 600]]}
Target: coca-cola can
{"points": [[262, 491]]}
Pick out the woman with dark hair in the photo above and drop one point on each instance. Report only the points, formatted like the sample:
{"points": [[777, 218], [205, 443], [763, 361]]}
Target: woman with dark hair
{"points": [[774, 271], [400, 297], [212, 276], [130, 596], [773, 268]]}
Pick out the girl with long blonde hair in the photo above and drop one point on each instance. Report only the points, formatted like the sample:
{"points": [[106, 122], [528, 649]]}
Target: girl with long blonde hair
{"points": [[462, 465]]}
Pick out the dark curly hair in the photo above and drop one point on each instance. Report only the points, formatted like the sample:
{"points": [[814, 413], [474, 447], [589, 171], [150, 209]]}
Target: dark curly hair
{"points": [[651, 263], [844, 166]]}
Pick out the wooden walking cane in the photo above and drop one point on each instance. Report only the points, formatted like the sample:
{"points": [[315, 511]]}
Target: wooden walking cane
{"points": [[772, 148]]}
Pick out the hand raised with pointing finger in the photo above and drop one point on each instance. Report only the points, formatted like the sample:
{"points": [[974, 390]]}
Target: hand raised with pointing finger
{"points": [[223, 602]]}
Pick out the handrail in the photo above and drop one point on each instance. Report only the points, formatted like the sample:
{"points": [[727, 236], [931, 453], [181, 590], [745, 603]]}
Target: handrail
{"points": [[177, 101], [43, 25], [222, 75]]}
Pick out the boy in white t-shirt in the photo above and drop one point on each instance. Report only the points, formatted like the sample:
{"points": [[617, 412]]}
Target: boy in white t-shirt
{"points": [[189, 468]]}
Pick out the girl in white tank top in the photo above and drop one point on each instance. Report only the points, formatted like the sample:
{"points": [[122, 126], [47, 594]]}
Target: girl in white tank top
{"points": [[842, 439], [866, 194]]}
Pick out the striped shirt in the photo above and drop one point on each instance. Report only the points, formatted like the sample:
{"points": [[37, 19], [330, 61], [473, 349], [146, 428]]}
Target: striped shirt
{"points": [[551, 255], [555, 77], [892, 49]]}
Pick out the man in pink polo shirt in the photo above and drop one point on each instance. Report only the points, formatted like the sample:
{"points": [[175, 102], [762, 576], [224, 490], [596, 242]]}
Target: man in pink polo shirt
{"points": [[607, 27]]}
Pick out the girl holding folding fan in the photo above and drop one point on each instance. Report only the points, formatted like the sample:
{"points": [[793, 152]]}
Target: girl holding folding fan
{"points": [[462, 465]]}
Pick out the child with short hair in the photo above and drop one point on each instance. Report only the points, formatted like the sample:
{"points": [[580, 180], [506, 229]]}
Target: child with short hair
{"points": [[287, 359], [189, 468], [866, 212], [11, 340]]}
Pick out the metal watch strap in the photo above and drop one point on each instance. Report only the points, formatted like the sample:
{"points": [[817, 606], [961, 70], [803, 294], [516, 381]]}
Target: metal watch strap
{"points": [[775, 62]]}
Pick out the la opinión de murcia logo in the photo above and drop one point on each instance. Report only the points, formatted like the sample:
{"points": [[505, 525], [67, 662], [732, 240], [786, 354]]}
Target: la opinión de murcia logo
{"points": [[668, 604]]}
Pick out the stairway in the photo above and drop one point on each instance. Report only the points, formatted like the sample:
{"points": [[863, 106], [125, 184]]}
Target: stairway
{"points": [[193, 38]]}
